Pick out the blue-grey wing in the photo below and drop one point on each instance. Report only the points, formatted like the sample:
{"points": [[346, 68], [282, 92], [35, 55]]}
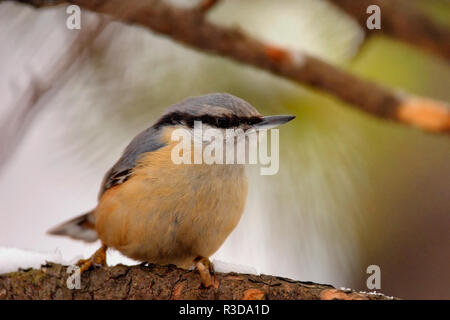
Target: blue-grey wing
{"points": [[146, 141]]}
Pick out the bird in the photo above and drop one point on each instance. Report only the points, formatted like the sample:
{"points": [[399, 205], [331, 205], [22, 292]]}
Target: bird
{"points": [[152, 210]]}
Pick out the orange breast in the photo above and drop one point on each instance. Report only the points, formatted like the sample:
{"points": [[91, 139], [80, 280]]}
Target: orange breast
{"points": [[167, 213]]}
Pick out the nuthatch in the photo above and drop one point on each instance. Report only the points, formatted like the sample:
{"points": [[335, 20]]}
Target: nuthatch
{"points": [[155, 211]]}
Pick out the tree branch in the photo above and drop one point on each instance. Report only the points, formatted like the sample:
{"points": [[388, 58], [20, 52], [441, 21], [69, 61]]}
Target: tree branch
{"points": [[401, 21], [190, 27], [163, 282], [206, 5]]}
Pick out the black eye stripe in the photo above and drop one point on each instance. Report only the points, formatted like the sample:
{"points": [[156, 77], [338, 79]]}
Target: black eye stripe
{"points": [[223, 122], [219, 122]]}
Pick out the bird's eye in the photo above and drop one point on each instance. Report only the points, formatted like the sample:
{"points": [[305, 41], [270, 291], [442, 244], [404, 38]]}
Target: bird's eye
{"points": [[253, 120], [249, 121]]}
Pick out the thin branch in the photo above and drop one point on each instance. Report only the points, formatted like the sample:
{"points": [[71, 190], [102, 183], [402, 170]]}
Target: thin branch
{"points": [[400, 20], [163, 282], [189, 27]]}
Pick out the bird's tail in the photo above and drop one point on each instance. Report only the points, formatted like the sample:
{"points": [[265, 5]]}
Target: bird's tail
{"points": [[79, 228]]}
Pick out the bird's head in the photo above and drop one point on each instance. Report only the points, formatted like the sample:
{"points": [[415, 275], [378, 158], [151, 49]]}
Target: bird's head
{"points": [[219, 111]]}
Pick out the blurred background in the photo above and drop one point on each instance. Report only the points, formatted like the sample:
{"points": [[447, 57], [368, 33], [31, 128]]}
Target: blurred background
{"points": [[352, 190]]}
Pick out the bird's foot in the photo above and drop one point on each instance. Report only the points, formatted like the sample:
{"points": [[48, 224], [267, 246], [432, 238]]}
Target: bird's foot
{"points": [[206, 270], [97, 259]]}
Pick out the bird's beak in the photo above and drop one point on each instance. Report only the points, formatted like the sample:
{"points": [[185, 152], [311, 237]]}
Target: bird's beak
{"points": [[271, 122]]}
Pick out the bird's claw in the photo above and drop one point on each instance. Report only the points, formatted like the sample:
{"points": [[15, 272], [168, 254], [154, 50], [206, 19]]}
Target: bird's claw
{"points": [[206, 270], [96, 260]]}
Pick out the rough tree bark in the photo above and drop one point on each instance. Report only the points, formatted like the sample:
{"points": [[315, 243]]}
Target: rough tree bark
{"points": [[163, 282]]}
